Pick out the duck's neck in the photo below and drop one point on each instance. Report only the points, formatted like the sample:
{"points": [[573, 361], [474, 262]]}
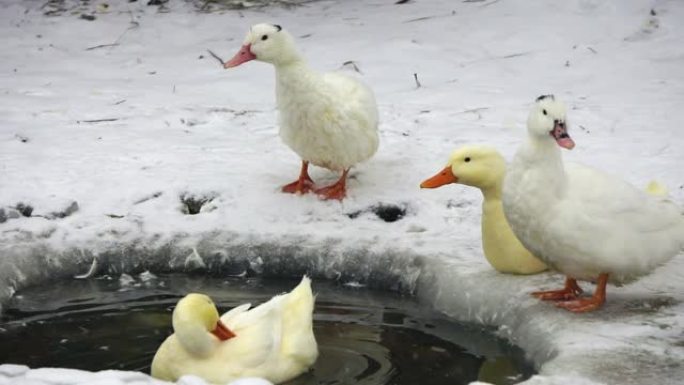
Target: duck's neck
{"points": [[292, 72], [195, 339], [492, 192], [294, 78], [544, 156]]}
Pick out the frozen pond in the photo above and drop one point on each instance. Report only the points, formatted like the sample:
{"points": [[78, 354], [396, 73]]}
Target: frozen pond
{"points": [[365, 337]]}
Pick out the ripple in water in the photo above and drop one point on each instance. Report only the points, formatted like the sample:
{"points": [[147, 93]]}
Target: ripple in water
{"points": [[364, 337]]}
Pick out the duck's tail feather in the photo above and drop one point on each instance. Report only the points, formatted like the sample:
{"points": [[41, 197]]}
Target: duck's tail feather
{"points": [[657, 189], [298, 338]]}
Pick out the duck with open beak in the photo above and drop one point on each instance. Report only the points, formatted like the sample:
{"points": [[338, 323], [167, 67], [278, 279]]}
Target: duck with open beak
{"points": [[560, 134]]}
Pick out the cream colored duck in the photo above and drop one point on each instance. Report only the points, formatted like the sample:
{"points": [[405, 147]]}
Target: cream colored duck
{"points": [[274, 340], [330, 120], [483, 167], [583, 223]]}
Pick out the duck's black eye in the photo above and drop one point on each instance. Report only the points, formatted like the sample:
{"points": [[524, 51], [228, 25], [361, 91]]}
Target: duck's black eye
{"points": [[467, 159], [544, 112], [265, 37]]}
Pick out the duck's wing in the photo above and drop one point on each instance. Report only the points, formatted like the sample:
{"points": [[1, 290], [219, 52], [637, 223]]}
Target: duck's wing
{"points": [[352, 97], [258, 335], [606, 198], [232, 313]]}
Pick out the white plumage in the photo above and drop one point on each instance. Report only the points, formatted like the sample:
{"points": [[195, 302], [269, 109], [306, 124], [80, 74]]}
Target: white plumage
{"points": [[274, 341], [581, 221], [330, 119]]}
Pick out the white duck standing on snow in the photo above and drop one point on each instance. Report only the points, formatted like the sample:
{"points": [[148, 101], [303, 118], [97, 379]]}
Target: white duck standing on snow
{"points": [[274, 340], [583, 223], [330, 120]]}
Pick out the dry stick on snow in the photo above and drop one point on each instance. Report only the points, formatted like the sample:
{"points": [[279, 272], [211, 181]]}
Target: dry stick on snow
{"points": [[488, 4], [216, 57], [423, 18], [98, 120], [476, 109], [353, 65], [515, 55], [101, 46], [415, 77], [510, 56], [134, 25]]}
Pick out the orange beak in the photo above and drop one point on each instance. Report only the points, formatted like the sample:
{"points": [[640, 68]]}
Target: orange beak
{"points": [[443, 177], [222, 332]]}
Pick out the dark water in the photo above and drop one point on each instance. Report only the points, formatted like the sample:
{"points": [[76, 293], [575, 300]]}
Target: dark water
{"points": [[364, 337]]}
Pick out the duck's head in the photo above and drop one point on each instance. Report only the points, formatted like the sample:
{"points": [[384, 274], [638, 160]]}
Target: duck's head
{"points": [[478, 166], [547, 121], [265, 42], [197, 325]]}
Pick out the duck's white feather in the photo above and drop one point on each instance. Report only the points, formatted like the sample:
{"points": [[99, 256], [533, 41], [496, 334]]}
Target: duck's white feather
{"points": [[584, 222], [328, 119], [274, 340]]}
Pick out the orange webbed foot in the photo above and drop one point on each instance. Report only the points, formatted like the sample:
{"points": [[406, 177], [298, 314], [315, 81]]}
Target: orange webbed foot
{"points": [[582, 305], [338, 190], [570, 291], [334, 191], [300, 186]]}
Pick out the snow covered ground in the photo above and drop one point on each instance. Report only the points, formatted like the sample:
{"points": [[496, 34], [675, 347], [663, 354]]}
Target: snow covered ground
{"points": [[128, 114]]}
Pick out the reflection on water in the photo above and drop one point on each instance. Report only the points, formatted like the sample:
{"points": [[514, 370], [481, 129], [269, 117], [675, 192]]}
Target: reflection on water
{"points": [[364, 337]]}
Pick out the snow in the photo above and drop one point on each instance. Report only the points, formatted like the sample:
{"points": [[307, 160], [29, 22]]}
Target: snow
{"points": [[22, 375], [182, 127]]}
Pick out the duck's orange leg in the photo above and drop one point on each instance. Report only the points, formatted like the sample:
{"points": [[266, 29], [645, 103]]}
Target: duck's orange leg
{"points": [[302, 185], [594, 302], [338, 190], [570, 291]]}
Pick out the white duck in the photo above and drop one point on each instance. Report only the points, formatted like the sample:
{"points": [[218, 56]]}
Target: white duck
{"points": [[330, 120], [581, 222], [483, 167], [274, 340]]}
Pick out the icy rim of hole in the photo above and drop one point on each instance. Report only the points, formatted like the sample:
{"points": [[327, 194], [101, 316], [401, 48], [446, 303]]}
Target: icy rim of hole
{"points": [[489, 299]]}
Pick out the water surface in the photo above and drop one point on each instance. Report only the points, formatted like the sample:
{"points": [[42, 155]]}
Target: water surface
{"points": [[365, 337]]}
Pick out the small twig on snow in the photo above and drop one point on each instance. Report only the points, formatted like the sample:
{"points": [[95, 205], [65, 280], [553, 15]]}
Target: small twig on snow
{"points": [[476, 109], [488, 4], [98, 120], [515, 55], [592, 50], [134, 25], [217, 57], [352, 64], [415, 77], [422, 18], [101, 46]]}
